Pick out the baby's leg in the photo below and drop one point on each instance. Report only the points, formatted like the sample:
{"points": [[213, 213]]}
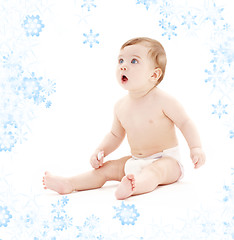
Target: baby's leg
{"points": [[111, 170], [163, 171]]}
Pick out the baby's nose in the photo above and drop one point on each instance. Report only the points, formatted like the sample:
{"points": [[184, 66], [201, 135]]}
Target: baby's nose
{"points": [[123, 68]]}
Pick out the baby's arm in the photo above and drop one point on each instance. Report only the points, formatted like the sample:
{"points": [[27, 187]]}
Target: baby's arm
{"points": [[177, 114], [110, 143]]}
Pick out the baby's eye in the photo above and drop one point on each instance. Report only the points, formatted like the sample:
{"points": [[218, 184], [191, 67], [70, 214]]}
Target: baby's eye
{"points": [[121, 60], [134, 61]]}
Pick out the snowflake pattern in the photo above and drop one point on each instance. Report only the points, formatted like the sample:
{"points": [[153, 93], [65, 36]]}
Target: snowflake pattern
{"points": [[8, 138], [189, 20], [213, 13], [91, 38], [61, 220], [88, 4], [169, 30], [90, 229], [19, 92], [229, 229], [127, 214], [33, 25], [228, 223], [229, 193], [219, 109], [231, 133], [166, 9], [24, 90], [5, 216], [146, 3], [214, 74]]}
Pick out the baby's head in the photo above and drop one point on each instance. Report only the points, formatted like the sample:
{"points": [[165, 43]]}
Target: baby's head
{"points": [[156, 52]]}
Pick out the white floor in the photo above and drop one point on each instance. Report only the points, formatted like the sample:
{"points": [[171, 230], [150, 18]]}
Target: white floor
{"points": [[193, 208]]}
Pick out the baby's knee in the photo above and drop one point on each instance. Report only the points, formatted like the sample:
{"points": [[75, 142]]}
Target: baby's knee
{"points": [[107, 169], [108, 164], [157, 170]]}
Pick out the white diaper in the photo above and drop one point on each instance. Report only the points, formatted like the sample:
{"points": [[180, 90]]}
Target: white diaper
{"points": [[134, 165]]}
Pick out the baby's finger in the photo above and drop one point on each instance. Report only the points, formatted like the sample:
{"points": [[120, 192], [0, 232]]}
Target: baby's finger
{"points": [[199, 163], [100, 158], [195, 159], [94, 162]]}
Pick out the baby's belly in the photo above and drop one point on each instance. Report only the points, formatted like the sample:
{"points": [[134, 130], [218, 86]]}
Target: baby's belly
{"points": [[144, 146]]}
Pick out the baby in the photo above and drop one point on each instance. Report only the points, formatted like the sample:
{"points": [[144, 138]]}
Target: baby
{"points": [[148, 116]]}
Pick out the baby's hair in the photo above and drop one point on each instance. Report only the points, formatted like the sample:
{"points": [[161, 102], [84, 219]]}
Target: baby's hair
{"points": [[156, 52]]}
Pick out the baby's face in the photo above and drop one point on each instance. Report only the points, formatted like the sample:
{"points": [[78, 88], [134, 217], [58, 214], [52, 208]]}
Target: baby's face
{"points": [[135, 68]]}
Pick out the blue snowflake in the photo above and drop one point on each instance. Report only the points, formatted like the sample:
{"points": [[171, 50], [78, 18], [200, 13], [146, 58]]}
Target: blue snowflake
{"points": [[5, 216], [33, 25], [222, 54], [91, 38], [88, 4], [19, 92], [169, 30], [229, 193], [226, 27], [213, 14], [7, 136], [229, 228], [64, 200], [31, 88], [48, 104], [13, 65], [88, 230], [58, 208], [231, 132], [36, 89], [219, 109], [189, 20], [28, 220], [62, 222], [49, 87], [163, 23], [147, 3], [91, 222], [166, 9], [126, 214], [214, 75]]}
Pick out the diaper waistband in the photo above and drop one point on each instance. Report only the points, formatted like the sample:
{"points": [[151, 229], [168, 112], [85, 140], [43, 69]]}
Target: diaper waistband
{"points": [[157, 155]]}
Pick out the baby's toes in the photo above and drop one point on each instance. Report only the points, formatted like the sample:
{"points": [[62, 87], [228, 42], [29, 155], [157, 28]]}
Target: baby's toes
{"points": [[132, 179]]}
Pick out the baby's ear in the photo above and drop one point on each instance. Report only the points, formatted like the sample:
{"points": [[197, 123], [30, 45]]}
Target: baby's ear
{"points": [[156, 74]]}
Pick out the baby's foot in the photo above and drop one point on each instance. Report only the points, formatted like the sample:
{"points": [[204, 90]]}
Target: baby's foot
{"points": [[59, 184], [126, 187]]}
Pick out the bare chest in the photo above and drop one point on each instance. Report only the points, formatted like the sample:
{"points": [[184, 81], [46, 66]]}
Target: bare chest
{"points": [[144, 116]]}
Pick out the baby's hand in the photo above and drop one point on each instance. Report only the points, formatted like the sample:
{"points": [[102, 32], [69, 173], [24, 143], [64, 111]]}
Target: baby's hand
{"points": [[97, 159], [198, 157]]}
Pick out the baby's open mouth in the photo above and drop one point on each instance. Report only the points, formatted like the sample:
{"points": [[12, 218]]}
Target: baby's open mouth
{"points": [[124, 79]]}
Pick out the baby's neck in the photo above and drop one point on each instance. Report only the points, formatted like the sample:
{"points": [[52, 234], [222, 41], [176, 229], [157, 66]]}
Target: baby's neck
{"points": [[140, 94]]}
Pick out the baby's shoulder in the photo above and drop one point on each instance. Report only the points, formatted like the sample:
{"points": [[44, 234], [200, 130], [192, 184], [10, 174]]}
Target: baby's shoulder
{"points": [[163, 98], [120, 103], [161, 94]]}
